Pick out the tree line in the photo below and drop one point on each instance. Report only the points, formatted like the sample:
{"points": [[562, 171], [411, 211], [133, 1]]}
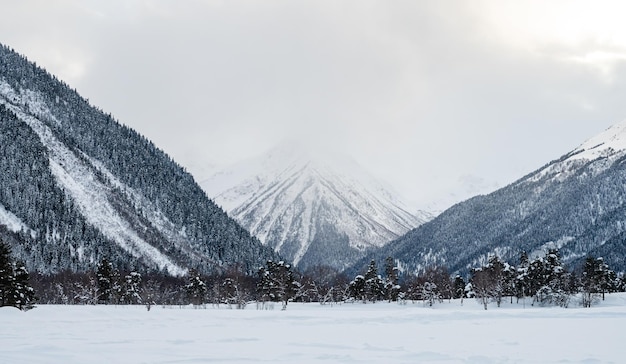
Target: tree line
{"points": [[540, 281], [545, 280]]}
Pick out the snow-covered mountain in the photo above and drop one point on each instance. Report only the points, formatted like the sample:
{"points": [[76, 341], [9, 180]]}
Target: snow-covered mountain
{"points": [[77, 186], [576, 204], [313, 207]]}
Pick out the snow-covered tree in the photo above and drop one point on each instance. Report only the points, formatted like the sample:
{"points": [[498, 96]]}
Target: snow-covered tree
{"points": [[106, 283], [430, 293], [277, 283], [15, 289], [391, 286], [24, 294], [6, 276], [357, 288], [196, 288], [595, 281], [458, 287], [131, 289], [553, 280], [522, 284], [483, 285], [232, 293], [374, 286]]}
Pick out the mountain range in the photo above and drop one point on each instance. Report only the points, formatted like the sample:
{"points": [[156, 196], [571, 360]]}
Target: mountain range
{"points": [[77, 186], [576, 204], [313, 207]]}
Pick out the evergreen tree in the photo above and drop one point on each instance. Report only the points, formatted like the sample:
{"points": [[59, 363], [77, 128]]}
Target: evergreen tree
{"points": [[6, 276], [356, 288], [15, 289], [277, 282], [232, 293], [24, 295], [373, 283], [391, 289], [131, 289], [595, 280], [196, 288], [554, 281], [458, 287], [105, 281], [522, 285]]}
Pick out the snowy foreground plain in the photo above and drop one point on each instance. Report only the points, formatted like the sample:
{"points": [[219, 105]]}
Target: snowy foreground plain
{"points": [[311, 333]]}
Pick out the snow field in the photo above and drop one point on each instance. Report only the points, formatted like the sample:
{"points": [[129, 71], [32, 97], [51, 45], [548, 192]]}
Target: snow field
{"points": [[311, 333]]}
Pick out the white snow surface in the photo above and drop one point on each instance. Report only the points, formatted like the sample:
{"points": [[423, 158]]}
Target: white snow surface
{"points": [[12, 222], [79, 181], [311, 333], [611, 140], [287, 193]]}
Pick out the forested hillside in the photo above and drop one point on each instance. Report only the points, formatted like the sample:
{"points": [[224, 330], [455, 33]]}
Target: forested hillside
{"points": [[576, 204], [76, 186]]}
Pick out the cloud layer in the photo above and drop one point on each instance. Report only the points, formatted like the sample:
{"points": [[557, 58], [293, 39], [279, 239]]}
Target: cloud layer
{"points": [[427, 95]]}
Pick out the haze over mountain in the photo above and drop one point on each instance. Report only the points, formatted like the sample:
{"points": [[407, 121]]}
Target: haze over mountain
{"points": [[576, 204], [315, 206], [77, 186]]}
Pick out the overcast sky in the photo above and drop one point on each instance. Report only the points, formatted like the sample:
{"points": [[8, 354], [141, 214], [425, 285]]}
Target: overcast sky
{"points": [[432, 96]]}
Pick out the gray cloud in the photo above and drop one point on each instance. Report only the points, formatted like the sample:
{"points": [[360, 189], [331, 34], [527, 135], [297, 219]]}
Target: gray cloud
{"points": [[425, 94]]}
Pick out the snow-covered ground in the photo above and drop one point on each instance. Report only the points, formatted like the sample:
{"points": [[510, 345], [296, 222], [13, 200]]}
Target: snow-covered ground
{"points": [[310, 333]]}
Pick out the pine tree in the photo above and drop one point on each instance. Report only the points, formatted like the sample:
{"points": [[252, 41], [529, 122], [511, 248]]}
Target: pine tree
{"points": [[458, 287], [6, 276], [392, 289], [554, 281], [196, 288], [131, 289], [356, 288], [522, 285], [24, 293], [105, 281], [15, 289], [592, 281], [373, 283], [277, 282]]}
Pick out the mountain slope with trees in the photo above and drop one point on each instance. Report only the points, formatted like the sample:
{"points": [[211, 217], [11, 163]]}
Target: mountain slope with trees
{"points": [[77, 186], [576, 204]]}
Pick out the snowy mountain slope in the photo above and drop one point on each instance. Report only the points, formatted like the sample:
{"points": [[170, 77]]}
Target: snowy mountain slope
{"points": [[78, 186], [313, 208], [10, 221], [78, 179], [576, 204]]}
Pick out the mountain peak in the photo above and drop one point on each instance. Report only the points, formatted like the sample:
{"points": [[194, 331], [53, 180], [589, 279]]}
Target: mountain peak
{"points": [[316, 206], [612, 139], [301, 152]]}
